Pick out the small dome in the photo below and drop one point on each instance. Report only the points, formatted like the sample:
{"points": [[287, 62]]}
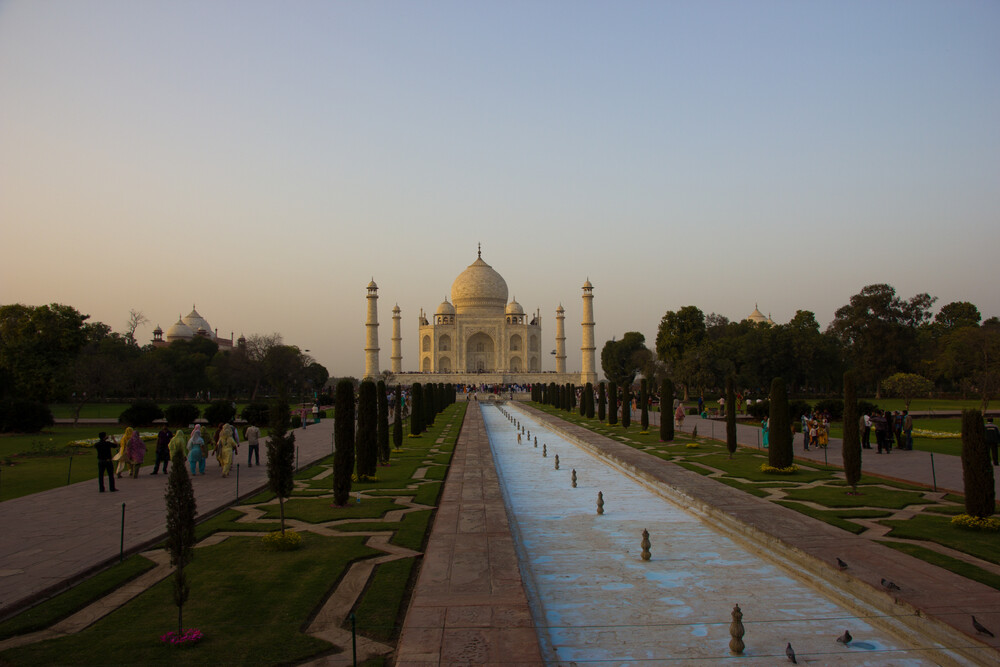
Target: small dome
{"points": [[395, 308], [197, 323], [179, 331], [756, 316], [514, 308], [479, 289], [372, 284], [560, 309], [587, 284], [445, 308]]}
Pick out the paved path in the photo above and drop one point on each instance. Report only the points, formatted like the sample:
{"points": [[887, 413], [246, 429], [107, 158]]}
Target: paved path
{"points": [[52, 538], [910, 466], [469, 605]]}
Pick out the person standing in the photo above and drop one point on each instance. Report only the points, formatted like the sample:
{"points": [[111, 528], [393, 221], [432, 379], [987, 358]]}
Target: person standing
{"points": [[104, 461], [866, 431], [196, 451], [227, 449], [907, 430], [679, 416], [882, 440], [992, 438], [764, 430], [178, 444], [122, 455], [253, 445], [136, 453], [162, 450]]}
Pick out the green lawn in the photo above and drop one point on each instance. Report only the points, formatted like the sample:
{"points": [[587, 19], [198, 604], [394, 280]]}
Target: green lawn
{"points": [[253, 604], [939, 529]]}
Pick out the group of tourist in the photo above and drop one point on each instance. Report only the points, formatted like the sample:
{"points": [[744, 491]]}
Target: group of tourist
{"points": [[888, 426], [815, 430], [194, 450]]}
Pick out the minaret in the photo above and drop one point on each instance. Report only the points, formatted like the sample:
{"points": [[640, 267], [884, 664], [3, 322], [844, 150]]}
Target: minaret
{"points": [[371, 331], [397, 340], [560, 340], [587, 347]]}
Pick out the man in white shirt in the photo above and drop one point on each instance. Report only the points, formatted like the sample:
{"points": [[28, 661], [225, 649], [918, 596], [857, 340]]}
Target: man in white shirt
{"points": [[253, 445]]}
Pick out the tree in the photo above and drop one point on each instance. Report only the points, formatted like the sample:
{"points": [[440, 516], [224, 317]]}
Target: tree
{"points": [[416, 410], [907, 386], [852, 435], [366, 440], [397, 421], [612, 403], [589, 393], [977, 471], [956, 315], [626, 406], [181, 509], [135, 320], [644, 400], [38, 346], [666, 410], [621, 359], [383, 423], [879, 330], [973, 354], [779, 453], [430, 407], [281, 455], [678, 338], [602, 402], [343, 442], [730, 417]]}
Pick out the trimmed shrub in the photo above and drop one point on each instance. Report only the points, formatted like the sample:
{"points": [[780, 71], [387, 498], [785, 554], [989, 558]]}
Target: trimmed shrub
{"points": [[416, 409], [612, 403], [222, 412], [797, 408], [626, 406], [834, 406], [19, 415], [295, 421], [181, 414], [644, 405], [397, 418], [977, 469], [779, 454], [589, 402], [852, 433], [366, 440], [343, 441], [666, 410], [140, 413], [280, 456], [730, 417], [383, 422], [602, 402]]}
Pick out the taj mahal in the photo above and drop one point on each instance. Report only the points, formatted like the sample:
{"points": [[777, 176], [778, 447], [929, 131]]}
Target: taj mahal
{"points": [[480, 337]]}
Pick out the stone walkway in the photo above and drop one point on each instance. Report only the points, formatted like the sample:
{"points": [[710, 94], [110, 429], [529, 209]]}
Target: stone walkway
{"points": [[54, 538]]}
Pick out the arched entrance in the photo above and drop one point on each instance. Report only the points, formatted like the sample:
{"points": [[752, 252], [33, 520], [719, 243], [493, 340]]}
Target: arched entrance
{"points": [[480, 355]]}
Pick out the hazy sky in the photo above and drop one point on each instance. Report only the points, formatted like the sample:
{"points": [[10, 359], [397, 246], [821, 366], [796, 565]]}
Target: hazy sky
{"points": [[265, 160]]}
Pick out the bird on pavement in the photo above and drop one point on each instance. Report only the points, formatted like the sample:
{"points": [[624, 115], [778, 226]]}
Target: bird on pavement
{"points": [[980, 628], [889, 586], [845, 638], [841, 564], [791, 654]]}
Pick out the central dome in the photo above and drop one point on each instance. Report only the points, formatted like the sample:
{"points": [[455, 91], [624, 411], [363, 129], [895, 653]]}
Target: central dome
{"points": [[479, 289]]}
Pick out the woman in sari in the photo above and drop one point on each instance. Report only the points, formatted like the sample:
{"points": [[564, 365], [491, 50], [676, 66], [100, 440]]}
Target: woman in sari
{"points": [[122, 455], [136, 453], [196, 451], [178, 443], [765, 430], [679, 416], [227, 447]]}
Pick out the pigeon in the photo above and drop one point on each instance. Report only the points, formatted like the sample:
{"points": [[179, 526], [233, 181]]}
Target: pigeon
{"points": [[841, 564], [980, 628], [845, 638], [791, 654], [889, 586]]}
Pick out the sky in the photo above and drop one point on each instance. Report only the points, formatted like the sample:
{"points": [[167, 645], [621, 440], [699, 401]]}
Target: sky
{"points": [[265, 160]]}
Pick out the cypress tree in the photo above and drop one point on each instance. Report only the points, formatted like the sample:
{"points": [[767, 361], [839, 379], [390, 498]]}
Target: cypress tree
{"points": [[626, 406], [343, 441], [383, 423], [977, 469], [852, 433], [181, 509], [572, 396], [397, 421], [666, 410], [583, 402], [612, 402], [366, 440], [589, 393], [553, 395], [602, 402], [416, 410], [779, 454], [644, 399], [281, 455], [730, 417], [429, 410]]}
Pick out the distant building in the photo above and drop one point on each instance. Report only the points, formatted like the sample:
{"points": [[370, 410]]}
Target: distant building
{"points": [[186, 328], [757, 317]]}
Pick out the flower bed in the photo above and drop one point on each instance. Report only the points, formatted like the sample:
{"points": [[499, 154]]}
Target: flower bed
{"points": [[771, 470], [934, 435], [989, 524], [189, 637], [287, 541]]}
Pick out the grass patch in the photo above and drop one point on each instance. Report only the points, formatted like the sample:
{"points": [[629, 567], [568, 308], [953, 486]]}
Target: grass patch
{"points": [[742, 486], [412, 530], [959, 567], [427, 494], [837, 518], [320, 511], [872, 496], [436, 472], [73, 600], [377, 612], [251, 604], [939, 529], [226, 521]]}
